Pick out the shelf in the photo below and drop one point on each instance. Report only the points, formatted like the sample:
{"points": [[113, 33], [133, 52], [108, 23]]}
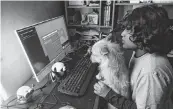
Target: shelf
{"points": [[91, 26], [101, 10], [105, 26], [83, 6], [143, 3], [84, 25]]}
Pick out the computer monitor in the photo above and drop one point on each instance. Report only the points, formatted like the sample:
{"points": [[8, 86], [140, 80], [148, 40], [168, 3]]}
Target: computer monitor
{"points": [[44, 44]]}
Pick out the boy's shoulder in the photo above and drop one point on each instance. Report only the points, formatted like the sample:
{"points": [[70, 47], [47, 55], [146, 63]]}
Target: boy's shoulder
{"points": [[154, 63]]}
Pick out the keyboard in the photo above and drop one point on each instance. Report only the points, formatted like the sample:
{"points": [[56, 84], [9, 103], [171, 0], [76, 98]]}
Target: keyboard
{"points": [[77, 81]]}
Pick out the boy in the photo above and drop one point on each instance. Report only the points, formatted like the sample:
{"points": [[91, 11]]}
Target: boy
{"points": [[147, 33]]}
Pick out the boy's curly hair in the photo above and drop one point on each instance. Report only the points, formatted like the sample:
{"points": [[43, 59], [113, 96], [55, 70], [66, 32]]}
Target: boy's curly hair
{"points": [[151, 29]]}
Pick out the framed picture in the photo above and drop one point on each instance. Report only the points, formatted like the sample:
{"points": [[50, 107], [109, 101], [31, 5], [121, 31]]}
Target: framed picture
{"points": [[93, 18]]}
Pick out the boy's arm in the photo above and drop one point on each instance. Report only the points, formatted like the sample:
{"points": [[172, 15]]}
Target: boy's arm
{"points": [[119, 101]]}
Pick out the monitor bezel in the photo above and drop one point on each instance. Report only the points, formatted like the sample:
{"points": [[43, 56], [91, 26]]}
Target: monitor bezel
{"points": [[38, 76]]}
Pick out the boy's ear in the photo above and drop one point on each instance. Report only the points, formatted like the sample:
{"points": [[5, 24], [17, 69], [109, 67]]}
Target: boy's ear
{"points": [[104, 50]]}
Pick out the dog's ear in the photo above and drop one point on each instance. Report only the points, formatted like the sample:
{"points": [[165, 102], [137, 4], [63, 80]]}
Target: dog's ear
{"points": [[109, 37], [104, 50]]}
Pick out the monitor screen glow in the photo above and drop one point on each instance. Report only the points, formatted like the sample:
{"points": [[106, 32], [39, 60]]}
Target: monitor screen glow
{"points": [[42, 44]]}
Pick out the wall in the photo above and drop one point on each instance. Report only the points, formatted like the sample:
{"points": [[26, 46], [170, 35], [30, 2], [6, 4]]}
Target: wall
{"points": [[15, 70], [169, 9]]}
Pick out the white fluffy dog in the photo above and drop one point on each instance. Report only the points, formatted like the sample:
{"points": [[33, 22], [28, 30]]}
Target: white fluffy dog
{"points": [[113, 71]]}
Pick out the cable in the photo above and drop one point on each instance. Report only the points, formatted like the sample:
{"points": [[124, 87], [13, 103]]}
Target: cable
{"points": [[42, 87], [40, 105], [8, 106], [41, 101], [61, 102], [57, 99], [10, 102]]}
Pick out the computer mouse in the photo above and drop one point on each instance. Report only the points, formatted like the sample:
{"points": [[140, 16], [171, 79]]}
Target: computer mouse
{"points": [[67, 107]]}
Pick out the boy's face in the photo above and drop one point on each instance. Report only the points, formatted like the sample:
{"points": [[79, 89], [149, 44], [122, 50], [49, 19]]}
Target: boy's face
{"points": [[126, 42]]}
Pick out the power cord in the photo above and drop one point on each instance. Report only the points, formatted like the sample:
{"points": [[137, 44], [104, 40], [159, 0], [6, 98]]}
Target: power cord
{"points": [[45, 85], [40, 105], [57, 100], [40, 88], [8, 106]]}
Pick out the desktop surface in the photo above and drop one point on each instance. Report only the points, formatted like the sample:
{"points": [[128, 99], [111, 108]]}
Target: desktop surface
{"points": [[53, 99], [84, 102]]}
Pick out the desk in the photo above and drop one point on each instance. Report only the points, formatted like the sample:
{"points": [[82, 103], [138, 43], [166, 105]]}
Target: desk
{"points": [[49, 97], [37, 95], [88, 101], [84, 102]]}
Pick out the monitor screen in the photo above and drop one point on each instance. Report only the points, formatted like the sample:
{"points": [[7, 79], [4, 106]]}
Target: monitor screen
{"points": [[43, 44]]}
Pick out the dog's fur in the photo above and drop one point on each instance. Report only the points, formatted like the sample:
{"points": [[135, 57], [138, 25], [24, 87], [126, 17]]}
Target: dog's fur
{"points": [[112, 66]]}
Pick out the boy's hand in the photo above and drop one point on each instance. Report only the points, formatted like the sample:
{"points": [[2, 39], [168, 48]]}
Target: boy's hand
{"points": [[101, 89]]}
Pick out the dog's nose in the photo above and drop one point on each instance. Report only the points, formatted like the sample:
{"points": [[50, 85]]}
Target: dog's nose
{"points": [[92, 59], [99, 77]]}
